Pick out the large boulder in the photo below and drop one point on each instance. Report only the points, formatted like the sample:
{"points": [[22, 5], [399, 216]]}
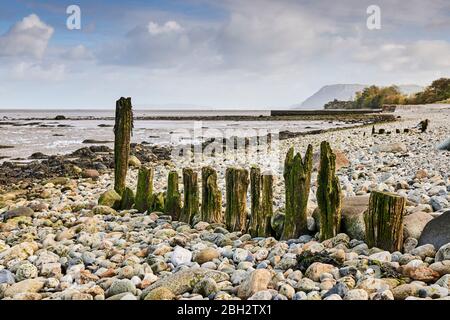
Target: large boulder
{"points": [[352, 223], [257, 281], [352, 215], [436, 231], [185, 280], [414, 223], [109, 198]]}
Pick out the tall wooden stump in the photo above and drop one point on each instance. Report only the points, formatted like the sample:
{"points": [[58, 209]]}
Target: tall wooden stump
{"points": [[261, 187], [173, 196], [191, 205], [122, 133], [255, 200], [329, 198], [211, 197], [297, 176], [144, 189], [236, 180], [384, 221]]}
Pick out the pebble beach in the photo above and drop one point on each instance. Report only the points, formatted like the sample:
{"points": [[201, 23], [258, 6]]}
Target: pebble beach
{"points": [[57, 242]]}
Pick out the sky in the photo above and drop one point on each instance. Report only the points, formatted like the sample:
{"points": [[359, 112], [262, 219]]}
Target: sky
{"points": [[227, 54]]}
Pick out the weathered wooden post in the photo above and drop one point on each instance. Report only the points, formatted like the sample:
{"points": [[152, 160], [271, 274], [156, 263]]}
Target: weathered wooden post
{"points": [[255, 200], [144, 189], [329, 198], [158, 202], [211, 197], [297, 176], [122, 132], [261, 187], [423, 125], [191, 205], [127, 201], [373, 130], [384, 221], [173, 196], [236, 180]]}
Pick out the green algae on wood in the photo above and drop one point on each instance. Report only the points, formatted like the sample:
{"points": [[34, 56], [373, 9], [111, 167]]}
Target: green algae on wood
{"points": [[384, 221], [329, 198], [297, 176], [128, 198], [236, 180], [173, 196], [261, 188], [191, 200], [211, 209], [144, 189], [157, 202], [122, 132]]}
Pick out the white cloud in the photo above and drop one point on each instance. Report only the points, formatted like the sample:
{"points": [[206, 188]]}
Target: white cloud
{"points": [[407, 57], [36, 71], [27, 38], [79, 52], [170, 26]]}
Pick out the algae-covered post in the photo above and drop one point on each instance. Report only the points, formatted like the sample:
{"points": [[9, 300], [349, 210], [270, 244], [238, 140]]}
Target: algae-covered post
{"points": [[144, 189], [329, 197], [297, 176], [191, 205], [211, 197], [122, 132], [128, 199], [384, 221], [255, 200], [236, 180], [261, 186], [173, 196]]}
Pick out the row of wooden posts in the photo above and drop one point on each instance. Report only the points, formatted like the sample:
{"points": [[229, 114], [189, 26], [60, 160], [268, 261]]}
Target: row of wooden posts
{"points": [[383, 219]]}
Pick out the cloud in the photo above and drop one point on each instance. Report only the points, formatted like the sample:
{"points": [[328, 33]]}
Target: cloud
{"points": [[79, 52], [27, 38], [407, 57], [169, 27], [36, 71]]}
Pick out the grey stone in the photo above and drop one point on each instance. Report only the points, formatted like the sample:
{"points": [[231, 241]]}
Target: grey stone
{"points": [[6, 276], [443, 253], [444, 145], [436, 231], [121, 286], [17, 212], [414, 223]]}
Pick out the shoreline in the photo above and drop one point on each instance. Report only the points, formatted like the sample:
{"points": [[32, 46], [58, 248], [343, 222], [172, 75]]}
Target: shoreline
{"points": [[147, 254]]}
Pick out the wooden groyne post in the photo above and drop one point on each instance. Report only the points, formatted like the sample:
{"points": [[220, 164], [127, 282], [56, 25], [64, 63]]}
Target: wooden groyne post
{"points": [[261, 190], [144, 189], [297, 176], [384, 221], [191, 194], [211, 209], [236, 180], [173, 196], [329, 198], [122, 133]]}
